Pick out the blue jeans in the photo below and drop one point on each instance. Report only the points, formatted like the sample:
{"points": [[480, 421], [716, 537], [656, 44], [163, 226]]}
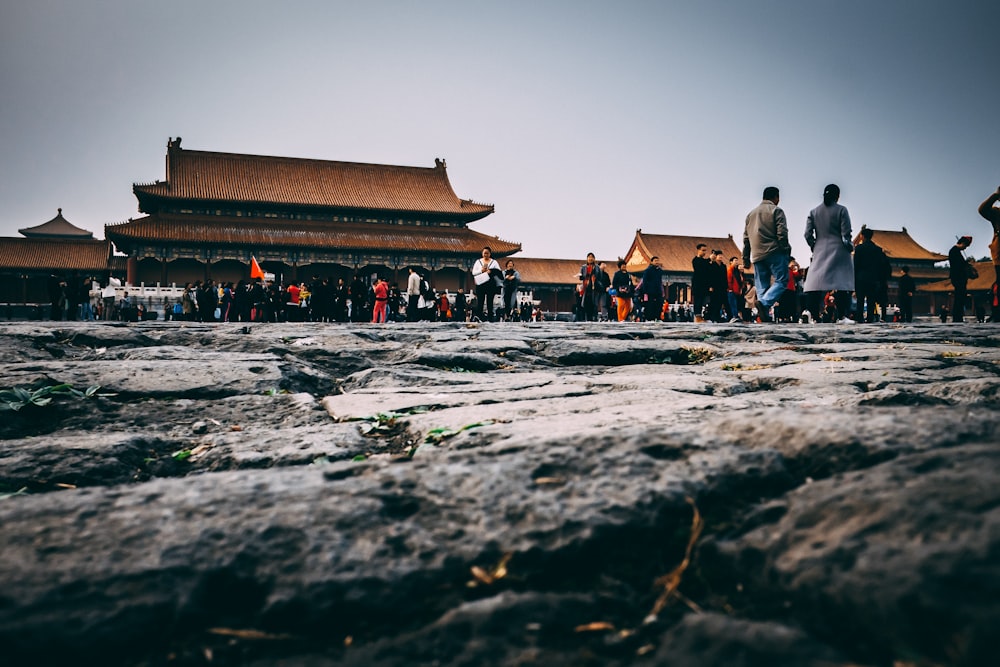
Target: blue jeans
{"points": [[773, 266]]}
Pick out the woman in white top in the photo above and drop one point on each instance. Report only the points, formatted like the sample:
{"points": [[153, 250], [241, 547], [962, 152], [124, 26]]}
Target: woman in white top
{"points": [[485, 273]]}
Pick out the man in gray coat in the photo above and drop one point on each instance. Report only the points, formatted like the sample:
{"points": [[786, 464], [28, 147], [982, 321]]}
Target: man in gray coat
{"points": [[765, 243], [828, 233]]}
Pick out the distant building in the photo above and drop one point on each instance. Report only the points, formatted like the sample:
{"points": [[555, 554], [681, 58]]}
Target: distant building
{"points": [[553, 282], [300, 218], [940, 292], [675, 253], [53, 250]]}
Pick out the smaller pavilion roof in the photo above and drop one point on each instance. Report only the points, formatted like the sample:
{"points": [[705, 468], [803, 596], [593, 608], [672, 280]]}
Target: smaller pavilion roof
{"points": [[987, 275], [901, 247], [675, 252], [55, 254], [553, 272], [56, 228]]}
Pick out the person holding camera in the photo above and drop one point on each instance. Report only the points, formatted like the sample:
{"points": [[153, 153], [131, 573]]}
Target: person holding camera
{"points": [[592, 286], [486, 274]]}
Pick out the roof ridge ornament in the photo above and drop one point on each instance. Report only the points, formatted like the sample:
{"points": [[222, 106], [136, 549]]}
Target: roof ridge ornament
{"points": [[440, 163]]}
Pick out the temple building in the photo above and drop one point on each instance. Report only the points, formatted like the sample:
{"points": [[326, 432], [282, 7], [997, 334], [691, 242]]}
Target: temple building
{"points": [[52, 251], [553, 283], [300, 218], [675, 253], [980, 289]]}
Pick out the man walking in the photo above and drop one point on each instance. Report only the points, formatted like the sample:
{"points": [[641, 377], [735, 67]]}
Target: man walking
{"points": [[765, 244], [871, 275]]}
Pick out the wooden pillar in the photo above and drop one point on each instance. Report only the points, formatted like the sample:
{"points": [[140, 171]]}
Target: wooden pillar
{"points": [[131, 270]]}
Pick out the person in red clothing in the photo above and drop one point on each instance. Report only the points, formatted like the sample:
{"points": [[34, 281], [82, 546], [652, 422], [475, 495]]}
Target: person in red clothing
{"points": [[789, 301], [381, 290], [734, 291]]}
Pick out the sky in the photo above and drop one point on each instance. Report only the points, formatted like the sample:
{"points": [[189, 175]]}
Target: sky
{"points": [[581, 121]]}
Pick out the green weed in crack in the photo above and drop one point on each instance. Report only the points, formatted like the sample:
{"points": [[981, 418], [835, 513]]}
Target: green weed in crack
{"points": [[18, 398]]}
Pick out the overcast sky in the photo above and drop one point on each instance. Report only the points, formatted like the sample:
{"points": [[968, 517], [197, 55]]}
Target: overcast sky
{"points": [[581, 121]]}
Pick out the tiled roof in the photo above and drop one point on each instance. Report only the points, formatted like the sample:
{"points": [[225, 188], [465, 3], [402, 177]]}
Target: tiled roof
{"points": [[900, 246], [675, 252], [31, 254], [262, 232], [984, 282], [284, 181], [927, 273], [552, 272], [57, 227]]}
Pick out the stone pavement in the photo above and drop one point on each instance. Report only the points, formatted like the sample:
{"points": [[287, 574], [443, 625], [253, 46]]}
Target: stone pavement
{"points": [[516, 494]]}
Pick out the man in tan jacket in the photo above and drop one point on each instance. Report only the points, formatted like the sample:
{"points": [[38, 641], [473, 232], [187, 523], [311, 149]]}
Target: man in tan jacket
{"points": [[765, 244]]}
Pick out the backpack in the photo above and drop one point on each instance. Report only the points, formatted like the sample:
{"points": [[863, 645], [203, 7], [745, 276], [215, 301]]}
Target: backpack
{"points": [[425, 289]]}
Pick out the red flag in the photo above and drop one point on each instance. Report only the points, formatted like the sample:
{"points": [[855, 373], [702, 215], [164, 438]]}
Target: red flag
{"points": [[255, 270]]}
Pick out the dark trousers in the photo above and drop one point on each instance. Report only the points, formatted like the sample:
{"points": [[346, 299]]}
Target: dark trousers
{"points": [[716, 305], [960, 298], [865, 293], [700, 298], [412, 307], [652, 309], [484, 299], [905, 308]]}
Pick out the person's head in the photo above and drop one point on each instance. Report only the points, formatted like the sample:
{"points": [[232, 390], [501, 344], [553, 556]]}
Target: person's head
{"points": [[867, 233], [831, 194], [621, 264], [717, 256], [590, 258], [734, 260], [771, 194], [654, 260], [701, 249], [487, 252], [964, 242], [510, 264], [906, 270]]}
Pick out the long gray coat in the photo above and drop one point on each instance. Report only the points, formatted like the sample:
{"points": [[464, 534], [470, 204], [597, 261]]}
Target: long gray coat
{"points": [[828, 233]]}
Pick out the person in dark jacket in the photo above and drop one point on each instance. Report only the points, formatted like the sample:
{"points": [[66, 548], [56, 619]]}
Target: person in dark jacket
{"points": [[592, 281], [652, 291], [907, 287], [623, 288], [958, 273], [718, 288], [701, 278], [871, 277]]}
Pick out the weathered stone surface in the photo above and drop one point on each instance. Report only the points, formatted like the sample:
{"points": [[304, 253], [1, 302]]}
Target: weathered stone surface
{"points": [[501, 494]]}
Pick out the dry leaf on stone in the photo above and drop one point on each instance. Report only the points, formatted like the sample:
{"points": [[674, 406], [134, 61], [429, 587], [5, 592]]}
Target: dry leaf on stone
{"points": [[597, 626], [247, 633]]}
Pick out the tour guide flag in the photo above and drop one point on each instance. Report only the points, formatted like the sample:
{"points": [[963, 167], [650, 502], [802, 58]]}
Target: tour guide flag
{"points": [[255, 270]]}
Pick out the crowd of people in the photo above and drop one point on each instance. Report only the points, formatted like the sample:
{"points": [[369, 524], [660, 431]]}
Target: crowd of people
{"points": [[323, 300], [844, 283]]}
